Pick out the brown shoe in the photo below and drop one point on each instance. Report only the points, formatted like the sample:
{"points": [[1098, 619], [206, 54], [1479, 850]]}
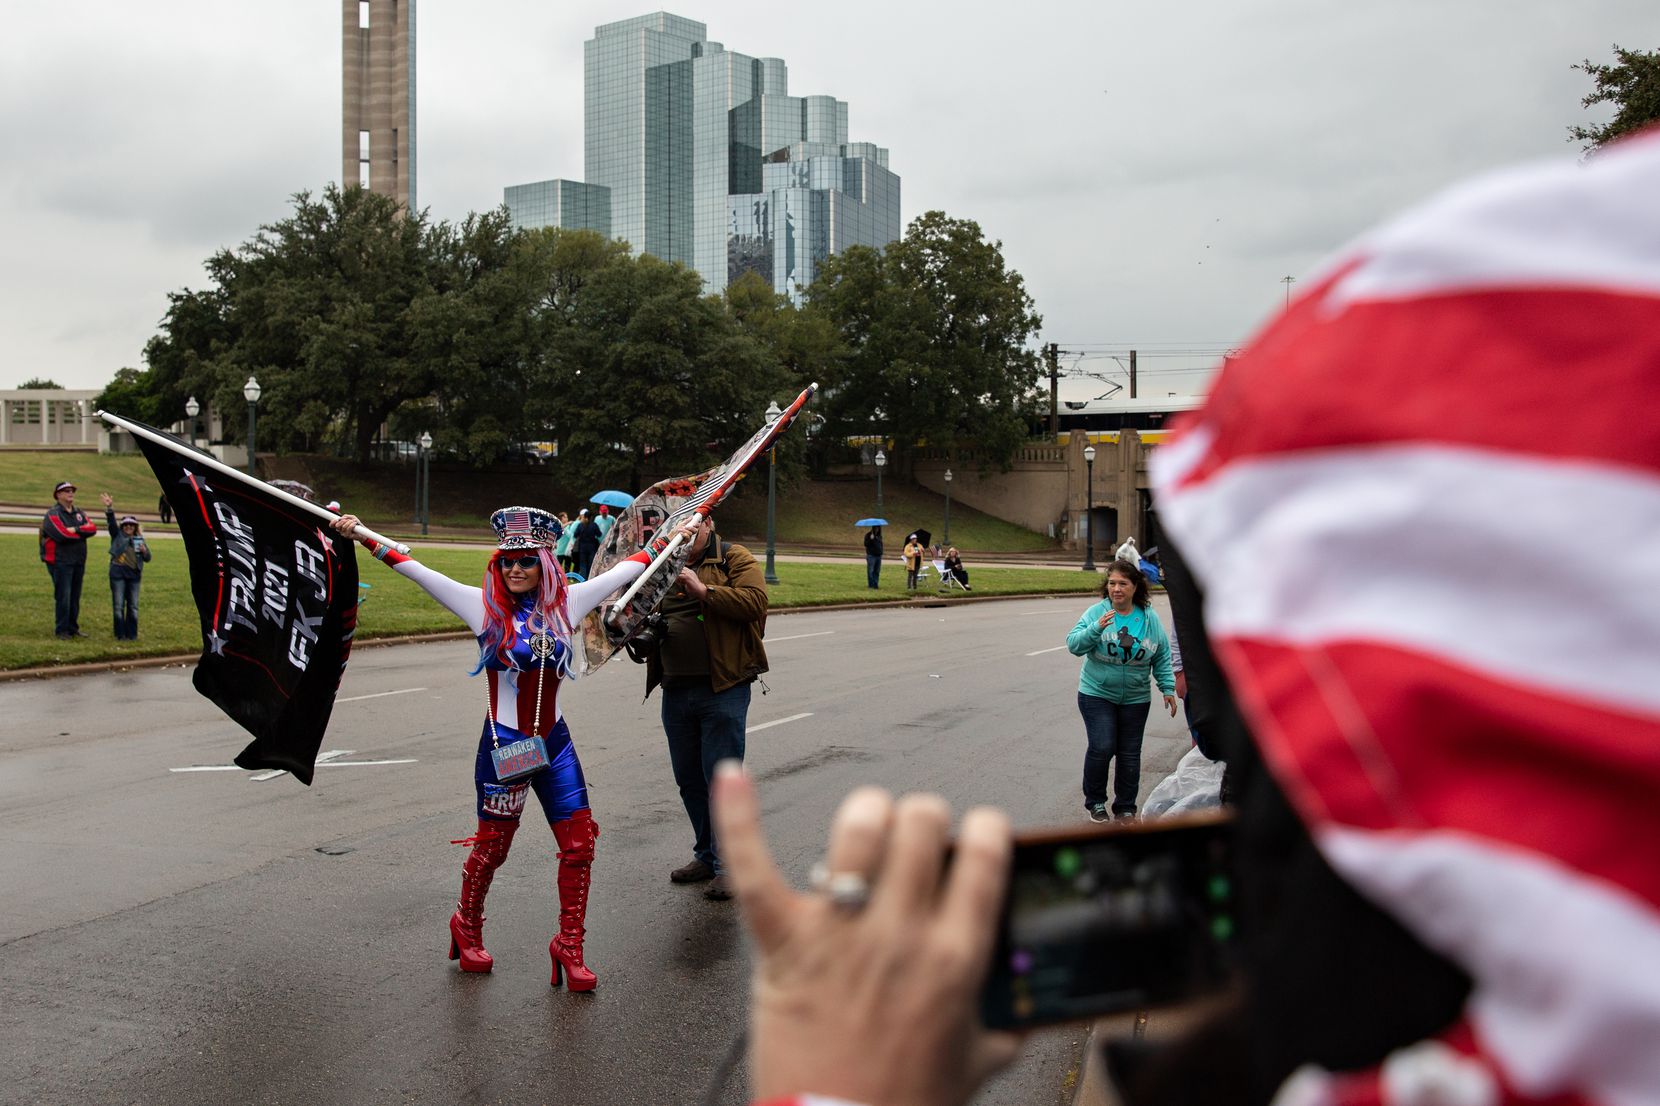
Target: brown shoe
{"points": [[718, 891], [695, 872]]}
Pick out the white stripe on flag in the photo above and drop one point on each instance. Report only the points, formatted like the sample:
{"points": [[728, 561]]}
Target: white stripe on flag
{"points": [[1566, 968], [1539, 573], [1555, 224]]}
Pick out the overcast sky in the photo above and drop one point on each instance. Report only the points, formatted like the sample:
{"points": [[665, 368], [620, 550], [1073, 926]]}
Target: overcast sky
{"points": [[1152, 169]]}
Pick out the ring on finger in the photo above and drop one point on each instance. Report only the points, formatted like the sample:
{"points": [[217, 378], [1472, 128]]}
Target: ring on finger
{"points": [[848, 890]]}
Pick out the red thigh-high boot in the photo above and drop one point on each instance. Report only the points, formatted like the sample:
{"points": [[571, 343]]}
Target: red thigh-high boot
{"points": [[490, 847], [576, 836]]}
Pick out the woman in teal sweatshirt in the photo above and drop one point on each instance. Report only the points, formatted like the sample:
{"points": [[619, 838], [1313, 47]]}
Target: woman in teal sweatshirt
{"points": [[1123, 643]]}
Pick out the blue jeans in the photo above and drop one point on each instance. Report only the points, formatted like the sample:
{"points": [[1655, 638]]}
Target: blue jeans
{"points": [[873, 569], [66, 596], [703, 729], [124, 597], [1113, 730]]}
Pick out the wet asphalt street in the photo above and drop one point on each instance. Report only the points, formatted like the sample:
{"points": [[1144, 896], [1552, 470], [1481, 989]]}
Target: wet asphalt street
{"points": [[211, 936]]}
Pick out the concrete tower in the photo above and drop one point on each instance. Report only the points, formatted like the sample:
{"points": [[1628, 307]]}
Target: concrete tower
{"points": [[377, 101]]}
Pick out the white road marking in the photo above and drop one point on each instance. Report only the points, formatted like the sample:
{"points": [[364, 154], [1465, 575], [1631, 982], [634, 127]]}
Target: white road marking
{"points": [[793, 637], [1040, 652], [330, 759], [778, 722], [379, 695], [322, 758], [360, 763]]}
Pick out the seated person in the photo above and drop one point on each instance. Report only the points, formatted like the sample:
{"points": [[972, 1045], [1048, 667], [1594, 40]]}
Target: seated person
{"points": [[954, 565]]}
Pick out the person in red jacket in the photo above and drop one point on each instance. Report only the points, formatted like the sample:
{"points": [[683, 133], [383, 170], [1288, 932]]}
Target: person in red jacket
{"points": [[63, 535]]}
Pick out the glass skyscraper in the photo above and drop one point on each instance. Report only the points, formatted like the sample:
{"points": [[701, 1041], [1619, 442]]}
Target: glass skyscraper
{"points": [[698, 154]]}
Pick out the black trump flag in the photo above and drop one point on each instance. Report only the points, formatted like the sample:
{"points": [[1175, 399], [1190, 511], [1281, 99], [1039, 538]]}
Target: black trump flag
{"points": [[277, 593]]}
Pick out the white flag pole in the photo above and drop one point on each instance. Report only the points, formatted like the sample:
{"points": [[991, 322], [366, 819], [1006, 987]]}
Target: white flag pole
{"points": [[225, 472]]}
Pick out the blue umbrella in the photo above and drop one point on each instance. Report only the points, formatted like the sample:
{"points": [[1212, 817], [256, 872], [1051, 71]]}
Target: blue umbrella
{"points": [[619, 500], [871, 522]]}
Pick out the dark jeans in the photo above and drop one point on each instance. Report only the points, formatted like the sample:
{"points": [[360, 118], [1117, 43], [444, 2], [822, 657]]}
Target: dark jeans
{"points": [[124, 597], [873, 569], [585, 561], [66, 596], [703, 729], [1113, 730]]}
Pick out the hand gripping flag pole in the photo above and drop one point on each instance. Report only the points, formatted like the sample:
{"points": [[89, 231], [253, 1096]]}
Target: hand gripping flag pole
{"points": [[202, 460], [714, 489]]}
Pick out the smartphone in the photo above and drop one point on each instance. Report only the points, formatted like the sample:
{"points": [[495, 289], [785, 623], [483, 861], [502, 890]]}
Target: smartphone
{"points": [[1108, 918]]}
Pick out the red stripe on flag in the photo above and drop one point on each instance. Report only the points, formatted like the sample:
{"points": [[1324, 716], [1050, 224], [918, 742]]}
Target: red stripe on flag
{"points": [[1487, 369], [1382, 738]]}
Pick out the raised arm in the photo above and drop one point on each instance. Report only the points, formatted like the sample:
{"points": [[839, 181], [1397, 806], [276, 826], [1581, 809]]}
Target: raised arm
{"points": [[1086, 635], [462, 600]]}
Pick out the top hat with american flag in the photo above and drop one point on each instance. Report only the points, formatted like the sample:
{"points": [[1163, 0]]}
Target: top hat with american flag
{"points": [[524, 528]]}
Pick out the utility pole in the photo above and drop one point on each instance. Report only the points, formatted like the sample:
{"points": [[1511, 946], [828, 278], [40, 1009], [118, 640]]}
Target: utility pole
{"points": [[1286, 280], [1132, 374], [1053, 354]]}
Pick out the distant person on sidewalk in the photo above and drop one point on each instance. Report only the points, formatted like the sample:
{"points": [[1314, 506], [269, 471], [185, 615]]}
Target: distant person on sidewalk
{"points": [[913, 561], [562, 548], [605, 521], [129, 553], [873, 556], [585, 542], [164, 510], [710, 652], [63, 536]]}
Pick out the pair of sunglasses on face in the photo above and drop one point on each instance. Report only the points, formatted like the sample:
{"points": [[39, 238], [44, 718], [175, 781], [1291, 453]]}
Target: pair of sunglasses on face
{"points": [[527, 563]]}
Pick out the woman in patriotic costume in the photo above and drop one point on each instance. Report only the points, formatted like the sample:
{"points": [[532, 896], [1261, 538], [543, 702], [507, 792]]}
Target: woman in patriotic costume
{"points": [[524, 617], [1447, 864]]}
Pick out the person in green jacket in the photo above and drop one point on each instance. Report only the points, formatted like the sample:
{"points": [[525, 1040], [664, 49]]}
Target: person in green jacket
{"points": [[1123, 643]]}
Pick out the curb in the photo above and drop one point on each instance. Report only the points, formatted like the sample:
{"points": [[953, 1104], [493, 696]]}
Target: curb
{"points": [[46, 672]]}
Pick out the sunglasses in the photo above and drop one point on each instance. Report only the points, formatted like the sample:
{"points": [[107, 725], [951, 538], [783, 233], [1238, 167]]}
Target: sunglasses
{"points": [[528, 562]]}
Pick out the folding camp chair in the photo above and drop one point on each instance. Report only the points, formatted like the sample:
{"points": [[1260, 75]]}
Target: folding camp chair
{"points": [[947, 580], [921, 572]]}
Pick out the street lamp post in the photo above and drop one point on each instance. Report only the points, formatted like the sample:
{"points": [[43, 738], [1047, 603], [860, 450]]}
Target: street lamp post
{"points": [[191, 410], [250, 392], [881, 463], [1089, 510], [771, 576], [947, 538], [423, 478]]}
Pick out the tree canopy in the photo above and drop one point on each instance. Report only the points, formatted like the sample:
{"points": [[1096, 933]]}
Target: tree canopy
{"points": [[936, 331], [356, 315], [1632, 84]]}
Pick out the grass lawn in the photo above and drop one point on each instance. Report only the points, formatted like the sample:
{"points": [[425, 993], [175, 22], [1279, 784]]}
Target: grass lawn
{"points": [[816, 513], [28, 476], [168, 621]]}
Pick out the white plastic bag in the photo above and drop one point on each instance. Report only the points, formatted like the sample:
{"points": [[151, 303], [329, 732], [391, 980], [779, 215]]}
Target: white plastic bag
{"points": [[1196, 784]]}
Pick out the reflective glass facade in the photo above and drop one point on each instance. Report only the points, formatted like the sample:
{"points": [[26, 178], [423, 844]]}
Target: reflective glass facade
{"points": [[560, 203], [699, 154]]}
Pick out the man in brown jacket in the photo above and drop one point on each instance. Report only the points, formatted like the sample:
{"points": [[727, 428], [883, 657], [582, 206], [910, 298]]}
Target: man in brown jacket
{"points": [[710, 654]]}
